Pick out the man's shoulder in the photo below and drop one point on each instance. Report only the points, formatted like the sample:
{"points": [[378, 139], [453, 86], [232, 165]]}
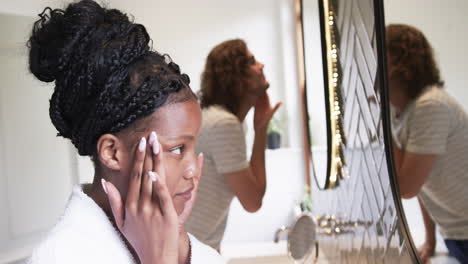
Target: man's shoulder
{"points": [[436, 97], [217, 115]]}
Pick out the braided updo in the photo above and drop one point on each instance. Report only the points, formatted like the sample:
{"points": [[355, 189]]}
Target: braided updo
{"points": [[106, 75]]}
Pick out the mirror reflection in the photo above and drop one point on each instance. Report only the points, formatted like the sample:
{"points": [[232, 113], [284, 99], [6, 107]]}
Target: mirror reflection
{"points": [[429, 126], [331, 130], [361, 215], [315, 93]]}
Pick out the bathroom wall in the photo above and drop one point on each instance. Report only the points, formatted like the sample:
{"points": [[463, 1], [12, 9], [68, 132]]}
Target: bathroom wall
{"points": [[32, 192], [444, 24]]}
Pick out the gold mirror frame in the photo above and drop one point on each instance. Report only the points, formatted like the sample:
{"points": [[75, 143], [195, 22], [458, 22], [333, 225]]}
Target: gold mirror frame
{"points": [[336, 140], [336, 161]]}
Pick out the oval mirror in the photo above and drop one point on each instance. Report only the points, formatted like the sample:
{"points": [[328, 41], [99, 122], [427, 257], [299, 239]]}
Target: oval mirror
{"points": [[323, 94], [302, 238], [315, 97]]}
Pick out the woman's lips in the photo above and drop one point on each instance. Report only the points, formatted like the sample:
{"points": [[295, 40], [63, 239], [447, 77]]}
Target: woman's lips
{"points": [[187, 194]]}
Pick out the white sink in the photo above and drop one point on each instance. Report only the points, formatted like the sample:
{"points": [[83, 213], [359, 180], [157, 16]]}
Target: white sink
{"points": [[255, 252], [261, 260]]}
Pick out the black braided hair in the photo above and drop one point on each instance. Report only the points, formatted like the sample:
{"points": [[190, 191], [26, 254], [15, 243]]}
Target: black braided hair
{"points": [[106, 75]]}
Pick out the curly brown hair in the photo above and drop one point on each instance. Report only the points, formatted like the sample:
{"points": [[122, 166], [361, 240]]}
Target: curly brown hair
{"points": [[226, 69], [412, 59]]}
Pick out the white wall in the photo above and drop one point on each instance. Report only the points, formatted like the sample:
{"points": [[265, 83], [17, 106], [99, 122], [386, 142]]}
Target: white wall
{"points": [[444, 24], [36, 172]]}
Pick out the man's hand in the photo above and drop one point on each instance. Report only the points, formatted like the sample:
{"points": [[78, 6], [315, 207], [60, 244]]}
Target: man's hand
{"points": [[264, 112], [426, 251]]}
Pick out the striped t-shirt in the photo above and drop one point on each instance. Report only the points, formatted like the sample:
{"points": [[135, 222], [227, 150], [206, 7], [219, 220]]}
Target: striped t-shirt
{"points": [[222, 141], [436, 124]]}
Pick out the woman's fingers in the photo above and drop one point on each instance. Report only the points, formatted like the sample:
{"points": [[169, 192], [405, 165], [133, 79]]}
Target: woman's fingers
{"points": [[146, 190], [163, 197], [153, 138], [156, 149], [148, 164], [115, 201], [133, 194], [142, 221], [158, 155], [148, 177], [156, 162], [200, 162]]}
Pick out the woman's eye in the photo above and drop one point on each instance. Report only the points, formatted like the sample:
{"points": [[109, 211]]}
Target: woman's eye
{"points": [[177, 150]]}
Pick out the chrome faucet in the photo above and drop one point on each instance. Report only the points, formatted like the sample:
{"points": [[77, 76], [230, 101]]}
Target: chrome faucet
{"points": [[279, 231]]}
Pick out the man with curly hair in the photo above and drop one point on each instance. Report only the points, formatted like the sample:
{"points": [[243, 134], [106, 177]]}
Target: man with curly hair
{"points": [[232, 83], [430, 131]]}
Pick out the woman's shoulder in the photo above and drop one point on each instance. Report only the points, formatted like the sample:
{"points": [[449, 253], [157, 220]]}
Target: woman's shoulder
{"points": [[202, 253], [83, 234]]}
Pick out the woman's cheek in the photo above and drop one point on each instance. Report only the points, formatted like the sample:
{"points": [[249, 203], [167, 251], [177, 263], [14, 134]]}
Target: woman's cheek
{"points": [[172, 175]]}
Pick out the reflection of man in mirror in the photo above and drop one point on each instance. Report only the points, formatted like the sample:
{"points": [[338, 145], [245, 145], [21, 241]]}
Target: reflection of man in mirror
{"points": [[430, 132], [232, 83]]}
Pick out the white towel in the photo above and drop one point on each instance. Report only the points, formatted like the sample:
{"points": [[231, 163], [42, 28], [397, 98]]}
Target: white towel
{"points": [[84, 234]]}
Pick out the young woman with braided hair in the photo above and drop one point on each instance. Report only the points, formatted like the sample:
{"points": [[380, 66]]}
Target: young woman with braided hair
{"points": [[132, 111]]}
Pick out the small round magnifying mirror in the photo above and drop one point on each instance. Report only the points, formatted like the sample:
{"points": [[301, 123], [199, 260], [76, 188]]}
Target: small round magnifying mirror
{"points": [[302, 238]]}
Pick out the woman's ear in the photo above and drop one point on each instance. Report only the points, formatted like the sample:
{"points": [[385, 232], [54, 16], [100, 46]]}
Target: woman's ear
{"points": [[109, 151]]}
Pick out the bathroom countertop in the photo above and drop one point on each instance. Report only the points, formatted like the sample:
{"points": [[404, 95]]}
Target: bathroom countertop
{"points": [[254, 249]]}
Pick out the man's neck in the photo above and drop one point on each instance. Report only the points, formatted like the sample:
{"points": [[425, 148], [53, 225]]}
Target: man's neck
{"points": [[399, 98], [245, 105]]}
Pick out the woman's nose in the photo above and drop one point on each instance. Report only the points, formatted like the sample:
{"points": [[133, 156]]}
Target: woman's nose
{"points": [[190, 171]]}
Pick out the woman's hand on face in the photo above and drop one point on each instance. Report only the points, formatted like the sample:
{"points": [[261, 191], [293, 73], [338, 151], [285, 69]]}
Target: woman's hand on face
{"points": [[148, 219], [264, 112]]}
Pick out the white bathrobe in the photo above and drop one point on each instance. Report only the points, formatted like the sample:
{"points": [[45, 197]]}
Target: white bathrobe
{"points": [[84, 234]]}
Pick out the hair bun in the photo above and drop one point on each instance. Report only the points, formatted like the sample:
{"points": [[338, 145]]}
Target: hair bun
{"points": [[58, 32], [45, 43]]}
